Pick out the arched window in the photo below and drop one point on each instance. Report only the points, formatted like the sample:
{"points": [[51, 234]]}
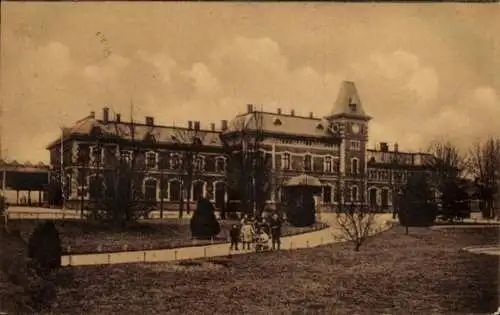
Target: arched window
{"points": [[354, 166], [174, 190], [354, 193], [197, 190], [150, 188]]}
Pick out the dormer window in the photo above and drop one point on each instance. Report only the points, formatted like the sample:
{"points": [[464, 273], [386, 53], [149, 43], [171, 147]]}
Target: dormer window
{"points": [[277, 121]]}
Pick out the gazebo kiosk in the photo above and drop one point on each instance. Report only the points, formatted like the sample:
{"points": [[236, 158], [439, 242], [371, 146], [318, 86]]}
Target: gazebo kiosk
{"points": [[300, 207]]}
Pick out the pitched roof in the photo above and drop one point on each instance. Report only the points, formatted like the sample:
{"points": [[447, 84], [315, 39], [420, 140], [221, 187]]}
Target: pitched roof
{"points": [[348, 102], [280, 124], [161, 134]]}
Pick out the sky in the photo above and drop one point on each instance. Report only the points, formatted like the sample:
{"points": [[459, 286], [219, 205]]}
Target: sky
{"points": [[423, 72]]}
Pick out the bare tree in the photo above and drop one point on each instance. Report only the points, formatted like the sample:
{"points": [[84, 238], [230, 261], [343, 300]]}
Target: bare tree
{"points": [[249, 170], [484, 165], [356, 223], [190, 143], [116, 195]]}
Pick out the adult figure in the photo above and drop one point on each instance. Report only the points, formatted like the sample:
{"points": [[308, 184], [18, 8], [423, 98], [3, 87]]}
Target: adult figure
{"points": [[275, 225], [244, 219]]}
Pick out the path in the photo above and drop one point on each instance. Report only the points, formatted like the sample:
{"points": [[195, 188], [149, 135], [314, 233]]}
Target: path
{"points": [[488, 250], [311, 239]]}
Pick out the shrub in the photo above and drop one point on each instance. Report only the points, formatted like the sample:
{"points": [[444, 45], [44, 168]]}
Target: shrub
{"points": [[302, 213], [418, 214], [22, 290], [203, 223], [44, 248]]}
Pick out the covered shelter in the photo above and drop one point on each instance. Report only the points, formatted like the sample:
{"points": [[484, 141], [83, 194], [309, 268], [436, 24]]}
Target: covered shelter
{"points": [[300, 205]]}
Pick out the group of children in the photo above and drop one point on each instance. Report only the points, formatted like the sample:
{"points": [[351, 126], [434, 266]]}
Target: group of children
{"points": [[252, 231]]}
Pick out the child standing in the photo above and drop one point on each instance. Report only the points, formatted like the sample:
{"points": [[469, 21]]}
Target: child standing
{"points": [[247, 233], [235, 237]]}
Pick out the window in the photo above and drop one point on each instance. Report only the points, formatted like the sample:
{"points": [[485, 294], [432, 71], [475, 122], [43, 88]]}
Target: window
{"points": [[96, 187], [354, 166], [328, 164], [307, 163], [150, 189], [151, 159], [175, 162], [198, 163], [126, 156], [210, 163], [174, 190], [220, 164], [96, 155], [355, 145], [197, 190], [327, 194], [354, 193], [286, 161]]}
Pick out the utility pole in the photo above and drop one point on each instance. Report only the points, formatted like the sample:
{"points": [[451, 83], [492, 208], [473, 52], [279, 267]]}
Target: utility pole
{"points": [[63, 188]]}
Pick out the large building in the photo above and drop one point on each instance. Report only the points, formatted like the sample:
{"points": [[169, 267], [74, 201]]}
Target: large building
{"points": [[332, 148]]}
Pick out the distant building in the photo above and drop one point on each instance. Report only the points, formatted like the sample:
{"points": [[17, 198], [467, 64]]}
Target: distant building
{"points": [[332, 148], [24, 183]]}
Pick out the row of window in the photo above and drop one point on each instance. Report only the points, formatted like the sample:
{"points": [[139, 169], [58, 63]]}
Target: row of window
{"points": [[175, 160], [328, 164], [355, 145], [387, 175]]}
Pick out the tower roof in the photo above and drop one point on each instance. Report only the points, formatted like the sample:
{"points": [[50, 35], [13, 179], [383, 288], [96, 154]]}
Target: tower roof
{"points": [[348, 102]]}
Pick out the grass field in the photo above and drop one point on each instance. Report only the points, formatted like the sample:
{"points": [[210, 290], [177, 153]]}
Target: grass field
{"points": [[422, 273], [83, 237]]}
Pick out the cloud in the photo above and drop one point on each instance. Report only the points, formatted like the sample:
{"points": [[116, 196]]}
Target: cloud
{"points": [[399, 89]]}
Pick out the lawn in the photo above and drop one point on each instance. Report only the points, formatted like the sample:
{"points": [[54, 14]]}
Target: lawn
{"points": [[422, 273], [82, 237]]}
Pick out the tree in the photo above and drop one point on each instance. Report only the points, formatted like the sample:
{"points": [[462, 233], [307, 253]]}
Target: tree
{"points": [[191, 144], [203, 223], [484, 165], [249, 170], [115, 186], [417, 202], [396, 180], [447, 167], [356, 223], [44, 248]]}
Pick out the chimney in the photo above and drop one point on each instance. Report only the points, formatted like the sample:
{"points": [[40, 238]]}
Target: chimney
{"points": [[384, 147], [223, 125], [190, 125], [196, 125], [396, 147], [249, 108], [279, 111], [92, 114], [311, 115], [118, 118], [105, 115], [150, 121], [292, 112], [212, 126]]}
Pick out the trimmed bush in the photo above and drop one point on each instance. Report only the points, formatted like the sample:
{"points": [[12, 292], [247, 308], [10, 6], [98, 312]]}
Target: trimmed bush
{"points": [[203, 223], [300, 209], [44, 248]]}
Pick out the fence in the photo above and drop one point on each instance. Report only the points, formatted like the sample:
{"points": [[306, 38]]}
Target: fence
{"points": [[302, 241]]}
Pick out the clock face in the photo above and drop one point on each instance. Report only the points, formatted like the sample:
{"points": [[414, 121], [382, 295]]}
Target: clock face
{"points": [[356, 128]]}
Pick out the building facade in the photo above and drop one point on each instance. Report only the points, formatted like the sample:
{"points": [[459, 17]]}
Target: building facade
{"points": [[332, 148], [24, 183]]}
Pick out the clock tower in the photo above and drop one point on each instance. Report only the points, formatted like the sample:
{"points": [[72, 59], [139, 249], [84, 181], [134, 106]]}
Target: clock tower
{"points": [[349, 120]]}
